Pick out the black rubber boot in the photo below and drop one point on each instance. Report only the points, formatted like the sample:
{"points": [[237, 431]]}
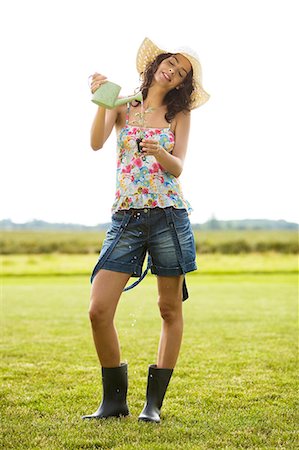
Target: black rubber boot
{"points": [[115, 386], [157, 383]]}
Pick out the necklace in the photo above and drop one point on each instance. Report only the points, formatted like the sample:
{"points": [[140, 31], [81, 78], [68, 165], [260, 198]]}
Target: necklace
{"points": [[141, 115], [140, 121]]}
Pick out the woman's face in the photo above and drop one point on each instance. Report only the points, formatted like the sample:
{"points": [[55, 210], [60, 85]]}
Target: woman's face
{"points": [[172, 71]]}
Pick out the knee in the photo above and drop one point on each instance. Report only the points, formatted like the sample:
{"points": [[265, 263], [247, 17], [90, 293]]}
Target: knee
{"points": [[169, 311], [98, 314]]}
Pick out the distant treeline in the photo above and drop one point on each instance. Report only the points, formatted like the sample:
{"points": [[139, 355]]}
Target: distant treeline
{"points": [[207, 241], [212, 224], [246, 224]]}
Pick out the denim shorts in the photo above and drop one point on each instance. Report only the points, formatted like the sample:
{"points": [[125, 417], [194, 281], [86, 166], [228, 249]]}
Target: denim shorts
{"points": [[164, 233]]}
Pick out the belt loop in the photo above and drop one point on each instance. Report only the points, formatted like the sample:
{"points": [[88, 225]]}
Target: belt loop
{"points": [[169, 217]]}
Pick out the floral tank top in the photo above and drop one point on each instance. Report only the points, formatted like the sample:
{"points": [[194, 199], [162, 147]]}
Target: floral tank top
{"points": [[141, 182]]}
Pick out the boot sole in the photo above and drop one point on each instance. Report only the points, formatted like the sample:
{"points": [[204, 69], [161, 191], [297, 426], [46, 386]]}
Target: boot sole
{"points": [[105, 417], [140, 419]]}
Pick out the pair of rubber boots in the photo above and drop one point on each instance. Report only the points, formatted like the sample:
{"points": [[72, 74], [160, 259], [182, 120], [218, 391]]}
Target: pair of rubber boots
{"points": [[115, 386]]}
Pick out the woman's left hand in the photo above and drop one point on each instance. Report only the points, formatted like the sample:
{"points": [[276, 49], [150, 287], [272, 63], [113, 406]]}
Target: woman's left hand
{"points": [[151, 147]]}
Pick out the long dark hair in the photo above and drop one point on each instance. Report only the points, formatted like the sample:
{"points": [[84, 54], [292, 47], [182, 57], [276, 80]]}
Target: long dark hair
{"points": [[176, 100]]}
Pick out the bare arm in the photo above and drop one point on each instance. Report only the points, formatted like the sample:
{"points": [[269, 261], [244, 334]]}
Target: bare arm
{"points": [[172, 163], [104, 120], [101, 127]]}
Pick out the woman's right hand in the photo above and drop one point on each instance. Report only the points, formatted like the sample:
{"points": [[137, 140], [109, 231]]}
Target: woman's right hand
{"points": [[95, 81]]}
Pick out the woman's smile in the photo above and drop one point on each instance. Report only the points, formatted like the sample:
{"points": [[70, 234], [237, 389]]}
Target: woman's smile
{"points": [[166, 76]]}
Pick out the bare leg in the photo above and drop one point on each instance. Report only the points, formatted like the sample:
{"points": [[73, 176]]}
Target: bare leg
{"points": [[170, 304], [106, 290]]}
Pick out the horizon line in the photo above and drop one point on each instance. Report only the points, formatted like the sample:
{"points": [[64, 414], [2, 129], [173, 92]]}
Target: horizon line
{"points": [[211, 219]]}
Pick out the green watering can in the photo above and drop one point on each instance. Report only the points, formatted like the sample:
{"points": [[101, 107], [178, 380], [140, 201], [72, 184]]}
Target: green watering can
{"points": [[107, 96]]}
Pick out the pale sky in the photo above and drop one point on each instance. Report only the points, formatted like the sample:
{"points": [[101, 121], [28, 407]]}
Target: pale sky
{"points": [[243, 147]]}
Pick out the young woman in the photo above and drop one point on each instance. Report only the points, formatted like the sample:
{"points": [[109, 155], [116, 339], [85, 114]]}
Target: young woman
{"points": [[149, 215]]}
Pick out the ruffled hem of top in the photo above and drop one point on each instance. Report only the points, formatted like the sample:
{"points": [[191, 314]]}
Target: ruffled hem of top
{"points": [[151, 200]]}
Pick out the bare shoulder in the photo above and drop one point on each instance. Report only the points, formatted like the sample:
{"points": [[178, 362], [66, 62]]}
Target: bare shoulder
{"points": [[181, 120], [183, 116]]}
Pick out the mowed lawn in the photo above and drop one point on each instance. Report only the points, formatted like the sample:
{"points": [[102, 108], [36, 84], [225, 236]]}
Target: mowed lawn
{"points": [[235, 384]]}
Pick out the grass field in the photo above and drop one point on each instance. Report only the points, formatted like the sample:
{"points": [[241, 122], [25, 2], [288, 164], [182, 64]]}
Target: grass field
{"points": [[57, 264], [235, 384]]}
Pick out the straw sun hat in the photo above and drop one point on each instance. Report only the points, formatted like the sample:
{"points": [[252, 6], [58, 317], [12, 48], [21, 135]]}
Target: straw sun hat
{"points": [[148, 51]]}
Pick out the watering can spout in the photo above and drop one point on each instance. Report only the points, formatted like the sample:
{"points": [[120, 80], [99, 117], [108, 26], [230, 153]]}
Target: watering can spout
{"points": [[107, 96], [131, 98]]}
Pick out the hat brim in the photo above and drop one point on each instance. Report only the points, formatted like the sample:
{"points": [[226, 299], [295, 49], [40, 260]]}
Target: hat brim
{"points": [[148, 52]]}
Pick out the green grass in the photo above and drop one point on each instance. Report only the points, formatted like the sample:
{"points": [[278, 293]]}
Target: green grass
{"points": [[235, 384], [57, 264]]}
